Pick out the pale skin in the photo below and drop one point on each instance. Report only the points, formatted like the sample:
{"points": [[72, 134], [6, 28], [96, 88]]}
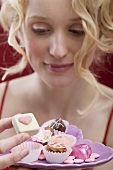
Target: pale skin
{"points": [[52, 37], [9, 143]]}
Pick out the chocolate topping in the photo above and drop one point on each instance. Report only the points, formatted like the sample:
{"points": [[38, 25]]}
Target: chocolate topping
{"points": [[50, 129], [58, 124]]}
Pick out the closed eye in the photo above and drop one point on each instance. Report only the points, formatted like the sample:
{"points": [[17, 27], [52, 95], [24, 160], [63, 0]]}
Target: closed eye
{"points": [[40, 31], [77, 32]]}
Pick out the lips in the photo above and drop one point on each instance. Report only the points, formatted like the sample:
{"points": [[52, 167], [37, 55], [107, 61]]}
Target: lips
{"points": [[59, 68]]}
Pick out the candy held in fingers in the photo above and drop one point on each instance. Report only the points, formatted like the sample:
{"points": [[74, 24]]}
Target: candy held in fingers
{"points": [[81, 151], [25, 123]]}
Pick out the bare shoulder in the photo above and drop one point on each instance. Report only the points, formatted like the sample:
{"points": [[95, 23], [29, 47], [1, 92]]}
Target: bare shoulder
{"points": [[108, 104], [13, 85], [17, 88], [2, 88], [107, 90], [104, 101]]}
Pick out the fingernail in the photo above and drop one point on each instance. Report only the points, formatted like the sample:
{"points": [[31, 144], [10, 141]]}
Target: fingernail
{"points": [[24, 152]]}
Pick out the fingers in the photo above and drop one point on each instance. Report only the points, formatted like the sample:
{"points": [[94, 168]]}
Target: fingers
{"points": [[13, 158], [9, 143], [20, 168], [5, 123]]}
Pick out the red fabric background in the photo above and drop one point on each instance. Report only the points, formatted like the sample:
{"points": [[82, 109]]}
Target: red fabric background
{"points": [[9, 57]]}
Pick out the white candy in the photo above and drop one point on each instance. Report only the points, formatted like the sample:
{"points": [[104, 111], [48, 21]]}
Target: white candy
{"points": [[25, 123]]}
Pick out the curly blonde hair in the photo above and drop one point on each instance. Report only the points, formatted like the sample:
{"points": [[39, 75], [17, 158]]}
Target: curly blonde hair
{"points": [[11, 22], [97, 21]]}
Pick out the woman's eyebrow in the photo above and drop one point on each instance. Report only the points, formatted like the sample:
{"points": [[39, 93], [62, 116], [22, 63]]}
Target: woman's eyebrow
{"points": [[44, 18], [35, 17], [76, 19]]}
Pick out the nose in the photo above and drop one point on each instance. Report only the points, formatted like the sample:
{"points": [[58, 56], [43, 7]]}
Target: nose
{"points": [[59, 46]]}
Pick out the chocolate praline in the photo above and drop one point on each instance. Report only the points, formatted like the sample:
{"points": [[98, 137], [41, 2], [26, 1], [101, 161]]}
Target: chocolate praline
{"points": [[59, 125]]}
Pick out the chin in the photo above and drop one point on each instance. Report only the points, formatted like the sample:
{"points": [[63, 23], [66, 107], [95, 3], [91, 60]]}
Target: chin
{"points": [[60, 83]]}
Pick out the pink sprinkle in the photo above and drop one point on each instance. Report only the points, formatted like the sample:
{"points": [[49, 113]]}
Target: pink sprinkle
{"points": [[95, 155], [78, 161], [41, 157], [71, 157], [69, 161], [90, 160]]}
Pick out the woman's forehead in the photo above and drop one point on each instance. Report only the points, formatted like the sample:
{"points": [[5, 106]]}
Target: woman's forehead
{"points": [[50, 8]]}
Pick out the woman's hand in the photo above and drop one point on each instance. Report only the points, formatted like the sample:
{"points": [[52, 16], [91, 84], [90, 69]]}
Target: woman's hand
{"points": [[19, 168], [7, 144]]}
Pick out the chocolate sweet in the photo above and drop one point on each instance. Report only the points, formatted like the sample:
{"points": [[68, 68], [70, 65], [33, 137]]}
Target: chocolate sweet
{"points": [[59, 125]]}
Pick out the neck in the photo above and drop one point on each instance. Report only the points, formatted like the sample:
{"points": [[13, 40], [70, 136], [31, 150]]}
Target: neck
{"points": [[75, 97]]}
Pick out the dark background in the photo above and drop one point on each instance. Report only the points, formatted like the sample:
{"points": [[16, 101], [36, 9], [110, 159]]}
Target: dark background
{"points": [[9, 57]]}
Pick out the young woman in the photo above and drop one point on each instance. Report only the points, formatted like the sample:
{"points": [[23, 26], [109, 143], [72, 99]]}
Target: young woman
{"points": [[60, 39]]}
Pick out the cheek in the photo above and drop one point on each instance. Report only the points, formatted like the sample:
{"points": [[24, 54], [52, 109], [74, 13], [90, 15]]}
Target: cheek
{"points": [[34, 50]]}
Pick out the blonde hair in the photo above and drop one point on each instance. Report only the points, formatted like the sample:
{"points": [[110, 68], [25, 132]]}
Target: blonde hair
{"points": [[11, 22], [97, 23]]}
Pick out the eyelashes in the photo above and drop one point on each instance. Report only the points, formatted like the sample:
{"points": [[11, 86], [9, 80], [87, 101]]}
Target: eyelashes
{"points": [[43, 31], [77, 32], [40, 31]]}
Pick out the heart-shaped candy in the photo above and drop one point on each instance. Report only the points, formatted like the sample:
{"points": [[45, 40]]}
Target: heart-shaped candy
{"points": [[25, 119]]}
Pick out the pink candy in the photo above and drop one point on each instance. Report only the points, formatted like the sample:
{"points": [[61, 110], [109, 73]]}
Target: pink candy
{"points": [[90, 160], [95, 155], [81, 154], [81, 151], [78, 161], [69, 161], [25, 119], [42, 156]]}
